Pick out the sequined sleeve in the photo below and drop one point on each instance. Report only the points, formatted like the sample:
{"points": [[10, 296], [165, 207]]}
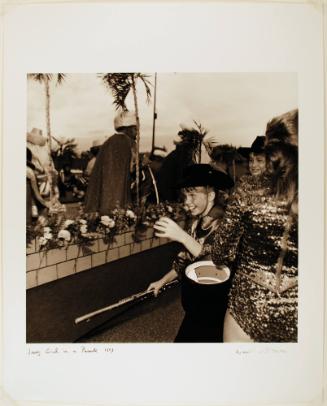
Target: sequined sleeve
{"points": [[184, 258], [230, 229], [179, 264], [206, 248]]}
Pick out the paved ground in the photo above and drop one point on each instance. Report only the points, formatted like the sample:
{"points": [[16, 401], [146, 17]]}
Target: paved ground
{"points": [[51, 309], [152, 320]]}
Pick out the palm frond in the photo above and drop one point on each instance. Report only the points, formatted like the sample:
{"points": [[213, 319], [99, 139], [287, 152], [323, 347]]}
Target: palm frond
{"points": [[225, 152], [201, 130], [147, 84], [60, 78], [35, 76], [40, 77], [119, 84]]}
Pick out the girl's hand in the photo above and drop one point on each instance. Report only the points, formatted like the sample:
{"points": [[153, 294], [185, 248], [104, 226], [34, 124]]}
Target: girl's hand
{"points": [[155, 287], [167, 228]]}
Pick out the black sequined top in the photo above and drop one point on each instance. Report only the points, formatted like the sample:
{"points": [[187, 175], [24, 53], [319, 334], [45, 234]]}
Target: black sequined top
{"points": [[249, 240]]}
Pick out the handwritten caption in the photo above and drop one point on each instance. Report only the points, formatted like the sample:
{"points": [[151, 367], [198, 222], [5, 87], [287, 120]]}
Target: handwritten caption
{"points": [[58, 350], [259, 351]]}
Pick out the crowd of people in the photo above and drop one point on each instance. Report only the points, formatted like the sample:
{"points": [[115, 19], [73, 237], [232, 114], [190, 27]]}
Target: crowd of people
{"points": [[247, 225]]}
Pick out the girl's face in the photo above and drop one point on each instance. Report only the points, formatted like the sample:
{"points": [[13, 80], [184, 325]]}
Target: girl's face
{"points": [[197, 200], [257, 164]]}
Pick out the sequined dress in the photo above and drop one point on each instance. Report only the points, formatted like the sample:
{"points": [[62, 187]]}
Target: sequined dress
{"points": [[250, 238]]}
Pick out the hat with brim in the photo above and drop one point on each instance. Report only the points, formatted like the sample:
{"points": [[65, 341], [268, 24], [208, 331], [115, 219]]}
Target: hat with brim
{"points": [[125, 119], [257, 147], [35, 137], [205, 175], [159, 153]]}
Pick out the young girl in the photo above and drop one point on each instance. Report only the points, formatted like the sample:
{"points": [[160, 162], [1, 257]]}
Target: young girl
{"points": [[200, 187]]}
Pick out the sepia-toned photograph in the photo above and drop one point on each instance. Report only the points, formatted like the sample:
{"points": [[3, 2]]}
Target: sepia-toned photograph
{"points": [[168, 244], [162, 208]]}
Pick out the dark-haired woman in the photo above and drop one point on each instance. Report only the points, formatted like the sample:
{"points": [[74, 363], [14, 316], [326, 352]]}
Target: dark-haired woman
{"points": [[257, 157], [259, 233]]}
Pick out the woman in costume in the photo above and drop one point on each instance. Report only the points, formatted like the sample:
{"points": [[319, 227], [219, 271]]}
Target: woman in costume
{"points": [[257, 157], [259, 233]]}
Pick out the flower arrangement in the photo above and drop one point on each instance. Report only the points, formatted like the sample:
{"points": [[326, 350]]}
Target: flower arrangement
{"points": [[149, 215], [58, 231]]}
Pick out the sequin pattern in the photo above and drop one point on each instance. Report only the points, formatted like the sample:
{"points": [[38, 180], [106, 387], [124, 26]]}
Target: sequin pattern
{"points": [[204, 237], [250, 238]]}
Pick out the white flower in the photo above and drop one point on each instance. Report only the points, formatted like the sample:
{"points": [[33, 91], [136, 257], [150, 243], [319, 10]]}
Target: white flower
{"points": [[42, 241], [130, 214], [107, 221], [82, 221], [42, 220], [46, 230], [48, 236], [83, 229], [169, 209], [111, 223], [67, 223], [64, 235]]}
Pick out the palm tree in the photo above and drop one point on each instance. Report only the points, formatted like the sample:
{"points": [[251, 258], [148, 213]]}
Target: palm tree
{"points": [[120, 85], [45, 79], [66, 151], [202, 133], [228, 154]]}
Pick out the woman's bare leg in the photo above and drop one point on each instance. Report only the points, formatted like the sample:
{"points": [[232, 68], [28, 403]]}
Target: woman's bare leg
{"points": [[233, 333]]}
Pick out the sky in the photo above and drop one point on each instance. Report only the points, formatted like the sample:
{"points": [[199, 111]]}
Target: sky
{"points": [[234, 106]]}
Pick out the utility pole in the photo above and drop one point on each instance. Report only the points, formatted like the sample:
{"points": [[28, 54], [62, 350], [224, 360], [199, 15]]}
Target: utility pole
{"points": [[154, 112]]}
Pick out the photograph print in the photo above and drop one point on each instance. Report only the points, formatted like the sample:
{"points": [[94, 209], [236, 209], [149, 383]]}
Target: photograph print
{"points": [[162, 208]]}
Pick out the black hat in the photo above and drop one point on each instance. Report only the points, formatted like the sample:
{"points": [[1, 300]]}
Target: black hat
{"points": [[205, 175], [257, 147]]}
